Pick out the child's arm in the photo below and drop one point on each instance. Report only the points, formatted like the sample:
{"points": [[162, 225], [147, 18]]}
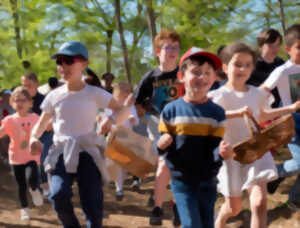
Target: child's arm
{"points": [[37, 131], [164, 141], [2, 131], [225, 150], [268, 114], [238, 112]]}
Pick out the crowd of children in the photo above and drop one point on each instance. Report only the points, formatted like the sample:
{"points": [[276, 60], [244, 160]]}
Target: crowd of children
{"points": [[193, 128]]}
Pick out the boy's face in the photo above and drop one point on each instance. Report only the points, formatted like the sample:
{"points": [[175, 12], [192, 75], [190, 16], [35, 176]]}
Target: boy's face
{"points": [[270, 50], [294, 52], [197, 80], [30, 86], [21, 104], [169, 52], [70, 71]]}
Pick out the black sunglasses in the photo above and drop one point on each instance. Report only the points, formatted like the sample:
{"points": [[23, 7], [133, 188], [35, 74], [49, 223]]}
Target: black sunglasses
{"points": [[69, 60]]}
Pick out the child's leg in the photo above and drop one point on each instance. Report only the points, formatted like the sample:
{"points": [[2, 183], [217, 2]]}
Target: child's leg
{"points": [[162, 178], [61, 194], [33, 175], [207, 196], [258, 204], [19, 172], [231, 207], [90, 190], [187, 204], [120, 180]]}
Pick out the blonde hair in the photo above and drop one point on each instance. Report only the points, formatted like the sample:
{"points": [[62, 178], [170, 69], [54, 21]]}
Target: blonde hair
{"points": [[20, 91]]}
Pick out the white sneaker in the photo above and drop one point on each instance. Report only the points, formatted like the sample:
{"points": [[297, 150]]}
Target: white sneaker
{"points": [[25, 214], [37, 197]]}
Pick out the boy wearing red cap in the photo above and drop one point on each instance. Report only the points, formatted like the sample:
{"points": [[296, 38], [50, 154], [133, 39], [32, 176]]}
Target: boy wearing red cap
{"points": [[192, 129]]}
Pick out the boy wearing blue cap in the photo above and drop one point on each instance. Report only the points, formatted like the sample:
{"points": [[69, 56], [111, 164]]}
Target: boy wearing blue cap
{"points": [[73, 107], [191, 130]]}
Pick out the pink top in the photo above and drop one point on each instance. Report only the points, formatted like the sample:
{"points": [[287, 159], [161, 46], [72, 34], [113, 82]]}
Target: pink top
{"points": [[19, 129]]}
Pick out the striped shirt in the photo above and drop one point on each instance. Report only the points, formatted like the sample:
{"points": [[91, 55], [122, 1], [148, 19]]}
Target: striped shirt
{"points": [[197, 130]]}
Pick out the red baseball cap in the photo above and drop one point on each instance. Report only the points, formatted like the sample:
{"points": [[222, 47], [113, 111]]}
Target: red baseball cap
{"points": [[194, 51]]}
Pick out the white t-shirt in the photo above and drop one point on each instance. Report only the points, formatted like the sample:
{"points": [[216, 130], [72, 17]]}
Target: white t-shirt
{"points": [[234, 177], [126, 123], [255, 98], [282, 77], [74, 112]]}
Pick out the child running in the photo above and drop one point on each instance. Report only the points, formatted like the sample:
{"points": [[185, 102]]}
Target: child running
{"points": [[192, 129], [73, 107], [121, 91], [239, 99], [18, 127]]}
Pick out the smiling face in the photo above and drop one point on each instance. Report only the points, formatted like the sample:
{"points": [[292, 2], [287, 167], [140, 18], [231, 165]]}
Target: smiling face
{"points": [[21, 104], [269, 51], [294, 52], [239, 68], [169, 52], [197, 80], [70, 68]]}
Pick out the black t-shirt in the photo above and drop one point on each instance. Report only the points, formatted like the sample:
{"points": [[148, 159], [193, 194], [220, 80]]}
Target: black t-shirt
{"points": [[158, 88], [261, 73], [37, 101]]}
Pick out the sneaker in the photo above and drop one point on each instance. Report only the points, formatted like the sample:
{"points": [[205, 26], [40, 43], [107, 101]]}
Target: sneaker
{"points": [[136, 185], [294, 206], [119, 195], [151, 201], [37, 197], [176, 219], [156, 217], [273, 185], [25, 214]]}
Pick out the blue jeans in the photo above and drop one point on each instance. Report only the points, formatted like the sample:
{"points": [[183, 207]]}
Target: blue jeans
{"points": [[195, 203], [90, 192], [292, 167], [47, 141]]}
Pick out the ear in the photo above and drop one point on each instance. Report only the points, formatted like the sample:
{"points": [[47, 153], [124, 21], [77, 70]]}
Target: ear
{"points": [[225, 67], [157, 51]]}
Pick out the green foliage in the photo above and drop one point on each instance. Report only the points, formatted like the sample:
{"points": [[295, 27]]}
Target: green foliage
{"points": [[45, 24]]}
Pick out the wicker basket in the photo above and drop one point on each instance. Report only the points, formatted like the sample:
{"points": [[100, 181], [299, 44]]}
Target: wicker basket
{"points": [[279, 132], [133, 152]]}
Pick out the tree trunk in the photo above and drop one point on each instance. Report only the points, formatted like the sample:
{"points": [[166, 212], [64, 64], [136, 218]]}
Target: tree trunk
{"points": [[108, 49], [151, 18], [15, 15], [123, 42], [282, 16]]}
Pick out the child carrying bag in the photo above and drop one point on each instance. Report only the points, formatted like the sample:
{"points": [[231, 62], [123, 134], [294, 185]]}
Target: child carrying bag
{"points": [[279, 132]]}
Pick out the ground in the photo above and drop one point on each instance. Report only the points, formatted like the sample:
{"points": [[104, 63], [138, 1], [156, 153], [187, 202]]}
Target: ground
{"points": [[133, 211]]}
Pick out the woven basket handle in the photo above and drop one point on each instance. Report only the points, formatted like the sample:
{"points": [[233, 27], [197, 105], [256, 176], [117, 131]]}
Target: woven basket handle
{"points": [[247, 118]]}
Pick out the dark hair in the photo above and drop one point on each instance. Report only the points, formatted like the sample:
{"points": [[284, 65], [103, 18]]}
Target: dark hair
{"points": [[198, 60], [165, 34], [292, 35], [92, 78], [268, 36], [107, 74], [31, 76], [237, 47], [53, 82]]}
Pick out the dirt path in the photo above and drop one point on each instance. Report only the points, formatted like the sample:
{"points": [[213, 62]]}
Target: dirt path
{"points": [[133, 211]]}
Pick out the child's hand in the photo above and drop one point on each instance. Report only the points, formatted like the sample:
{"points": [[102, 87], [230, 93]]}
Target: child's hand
{"points": [[164, 141], [246, 110], [105, 126], [130, 100], [295, 106], [36, 147], [226, 150], [132, 120]]}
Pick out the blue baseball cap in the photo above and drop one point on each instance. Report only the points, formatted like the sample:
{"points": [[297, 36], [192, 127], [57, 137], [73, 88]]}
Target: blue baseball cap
{"points": [[72, 48]]}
